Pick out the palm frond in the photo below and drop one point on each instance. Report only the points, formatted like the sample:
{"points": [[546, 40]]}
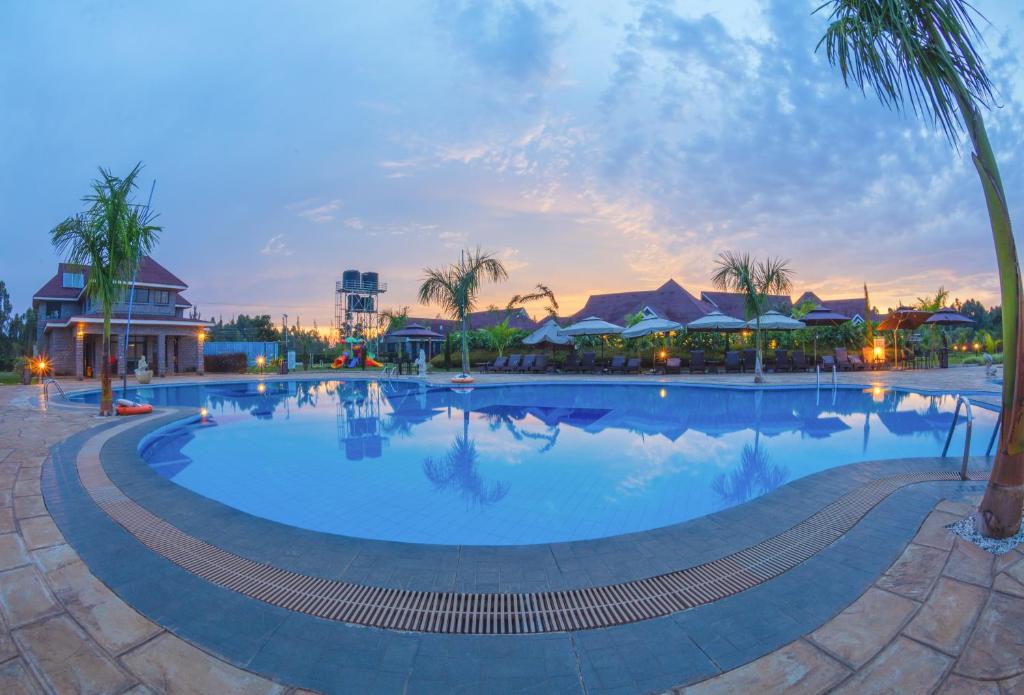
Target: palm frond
{"points": [[916, 53]]}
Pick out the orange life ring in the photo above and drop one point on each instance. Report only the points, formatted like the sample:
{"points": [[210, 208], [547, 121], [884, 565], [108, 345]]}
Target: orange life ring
{"points": [[462, 380], [134, 409]]}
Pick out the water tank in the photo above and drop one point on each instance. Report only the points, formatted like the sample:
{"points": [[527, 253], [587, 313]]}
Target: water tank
{"points": [[350, 280], [370, 281]]}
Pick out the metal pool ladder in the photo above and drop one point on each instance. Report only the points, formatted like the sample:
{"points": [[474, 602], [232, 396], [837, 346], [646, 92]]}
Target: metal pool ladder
{"points": [[53, 382], [961, 400]]}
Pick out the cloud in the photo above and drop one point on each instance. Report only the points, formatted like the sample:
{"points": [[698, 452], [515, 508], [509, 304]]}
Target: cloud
{"points": [[353, 223], [318, 214], [511, 259], [276, 246], [510, 38]]}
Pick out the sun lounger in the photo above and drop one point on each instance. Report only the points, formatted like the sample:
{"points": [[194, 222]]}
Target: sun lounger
{"points": [[843, 360], [749, 359], [799, 361], [732, 361], [540, 365], [527, 363], [673, 365], [589, 363], [572, 363], [697, 362], [827, 362], [618, 365], [633, 365], [856, 362], [498, 364], [782, 361], [513, 363]]}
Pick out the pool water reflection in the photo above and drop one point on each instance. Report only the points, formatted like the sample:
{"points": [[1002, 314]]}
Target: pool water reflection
{"points": [[526, 463]]}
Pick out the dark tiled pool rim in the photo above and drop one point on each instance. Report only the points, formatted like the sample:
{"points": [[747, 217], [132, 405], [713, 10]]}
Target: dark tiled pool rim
{"points": [[490, 613]]}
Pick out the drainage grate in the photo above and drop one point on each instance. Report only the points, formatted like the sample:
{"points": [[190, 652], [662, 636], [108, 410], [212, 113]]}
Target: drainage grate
{"points": [[495, 613]]}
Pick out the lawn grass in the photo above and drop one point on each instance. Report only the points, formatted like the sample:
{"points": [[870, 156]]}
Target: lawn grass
{"points": [[10, 378]]}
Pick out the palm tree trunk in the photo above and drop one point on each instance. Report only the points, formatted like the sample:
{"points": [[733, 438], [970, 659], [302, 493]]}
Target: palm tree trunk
{"points": [[999, 514], [465, 347], [106, 393], [758, 363]]}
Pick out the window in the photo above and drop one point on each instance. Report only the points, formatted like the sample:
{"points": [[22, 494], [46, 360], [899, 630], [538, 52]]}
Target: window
{"points": [[141, 295], [74, 280], [53, 310], [160, 296]]}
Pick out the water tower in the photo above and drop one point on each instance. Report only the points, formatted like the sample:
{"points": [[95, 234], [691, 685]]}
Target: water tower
{"points": [[357, 304]]}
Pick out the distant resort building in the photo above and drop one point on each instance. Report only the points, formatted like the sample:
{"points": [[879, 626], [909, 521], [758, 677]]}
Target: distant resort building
{"points": [[669, 301], [70, 327]]}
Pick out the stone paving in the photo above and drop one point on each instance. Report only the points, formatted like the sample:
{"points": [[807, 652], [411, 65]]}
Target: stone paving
{"points": [[943, 618]]}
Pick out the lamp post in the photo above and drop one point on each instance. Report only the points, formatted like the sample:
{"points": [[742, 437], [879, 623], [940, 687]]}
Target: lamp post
{"points": [[260, 361]]}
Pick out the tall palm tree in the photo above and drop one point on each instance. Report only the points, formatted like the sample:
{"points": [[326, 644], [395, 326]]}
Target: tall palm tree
{"points": [[109, 238], [921, 53], [755, 280], [541, 291], [456, 288]]}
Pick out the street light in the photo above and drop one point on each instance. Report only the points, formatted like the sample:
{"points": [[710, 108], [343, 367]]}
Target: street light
{"points": [[260, 361]]}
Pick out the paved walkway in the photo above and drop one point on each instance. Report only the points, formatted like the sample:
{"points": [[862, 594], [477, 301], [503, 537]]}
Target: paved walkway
{"points": [[944, 618]]}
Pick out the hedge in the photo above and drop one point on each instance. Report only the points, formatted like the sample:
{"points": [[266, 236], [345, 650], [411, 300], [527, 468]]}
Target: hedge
{"points": [[229, 362]]}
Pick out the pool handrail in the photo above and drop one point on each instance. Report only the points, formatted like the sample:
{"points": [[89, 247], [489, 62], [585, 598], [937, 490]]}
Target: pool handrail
{"points": [[969, 415], [54, 382]]}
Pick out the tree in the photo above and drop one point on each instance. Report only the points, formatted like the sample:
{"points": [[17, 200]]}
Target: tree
{"points": [[935, 302], [540, 292], [755, 280], [456, 288], [920, 53], [869, 324], [108, 241], [501, 335], [396, 318]]}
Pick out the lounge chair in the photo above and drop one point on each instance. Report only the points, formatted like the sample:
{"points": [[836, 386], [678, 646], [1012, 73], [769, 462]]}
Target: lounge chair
{"points": [[843, 360], [827, 362], [697, 362], [618, 365], [527, 364], [782, 361], [589, 363], [749, 359], [513, 363], [540, 365], [498, 365], [673, 365], [856, 362], [572, 363], [799, 361], [732, 361], [632, 365]]}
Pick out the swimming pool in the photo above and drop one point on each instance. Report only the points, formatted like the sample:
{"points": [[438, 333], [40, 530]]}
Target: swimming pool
{"points": [[523, 464]]}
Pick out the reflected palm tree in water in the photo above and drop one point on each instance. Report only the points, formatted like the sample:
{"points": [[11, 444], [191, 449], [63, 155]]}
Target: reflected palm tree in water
{"points": [[495, 421], [755, 476], [457, 471]]}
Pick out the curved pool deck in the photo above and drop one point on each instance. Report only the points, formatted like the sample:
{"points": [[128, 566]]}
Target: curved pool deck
{"points": [[642, 612]]}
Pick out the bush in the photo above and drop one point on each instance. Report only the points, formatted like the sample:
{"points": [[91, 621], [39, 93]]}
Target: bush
{"points": [[227, 363]]}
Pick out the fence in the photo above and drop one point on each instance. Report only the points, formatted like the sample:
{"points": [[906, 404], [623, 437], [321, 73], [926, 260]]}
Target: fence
{"points": [[251, 350]]}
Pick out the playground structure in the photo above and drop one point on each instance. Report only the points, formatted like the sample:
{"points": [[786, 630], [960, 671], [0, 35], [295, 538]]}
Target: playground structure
{"points": [[353, 356], [357, 306]]}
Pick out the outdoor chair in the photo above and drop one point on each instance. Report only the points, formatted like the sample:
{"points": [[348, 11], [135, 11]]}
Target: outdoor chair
{"points": [[572, 363], [827, 362], [749, 359], [540, 365], [732, 361], [781, 361], [633, 365], [527, 363], [513, 363], [856, 362], [589, 363], [697, 362], [498, 365], [799, 361], [618, 365], [843, 360], [673, 365]]}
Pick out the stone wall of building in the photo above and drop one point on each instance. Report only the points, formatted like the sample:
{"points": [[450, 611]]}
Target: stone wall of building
{"points": [[60, 351]]}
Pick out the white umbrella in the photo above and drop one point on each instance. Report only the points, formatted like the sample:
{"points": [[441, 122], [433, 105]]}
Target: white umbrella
{"points": [[774, 321], [655, 324], [716, 321], [591, 325], [547, 333]]}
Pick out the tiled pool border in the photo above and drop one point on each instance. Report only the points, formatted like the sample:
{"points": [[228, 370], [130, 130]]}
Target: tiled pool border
{"points": [[685, 647]]}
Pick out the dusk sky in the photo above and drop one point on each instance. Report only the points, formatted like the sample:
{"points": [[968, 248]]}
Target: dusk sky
{"points": [[595, 147]]}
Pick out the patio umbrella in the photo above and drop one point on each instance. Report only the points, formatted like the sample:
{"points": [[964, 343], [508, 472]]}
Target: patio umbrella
{"points": [[947, 317], [592, 325], [548, 334], [774, 321], [717, 322], [822, 316], [651, 326], [903, 318]]}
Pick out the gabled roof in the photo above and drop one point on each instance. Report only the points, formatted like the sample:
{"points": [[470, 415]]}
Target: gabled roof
{"points": [[852, 307], [479, 319], [150, 273], [732, 303], [670, 301]]}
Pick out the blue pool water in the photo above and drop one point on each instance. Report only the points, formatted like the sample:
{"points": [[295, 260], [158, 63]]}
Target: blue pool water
{"points": [[525, 463]]}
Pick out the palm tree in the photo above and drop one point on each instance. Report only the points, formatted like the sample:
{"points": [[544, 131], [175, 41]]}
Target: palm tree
{"points": [[501, 335], [921, 53], [933, 303], [541, 291], [456, 288], [109, 238], [396, 318], [755, 279]]}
